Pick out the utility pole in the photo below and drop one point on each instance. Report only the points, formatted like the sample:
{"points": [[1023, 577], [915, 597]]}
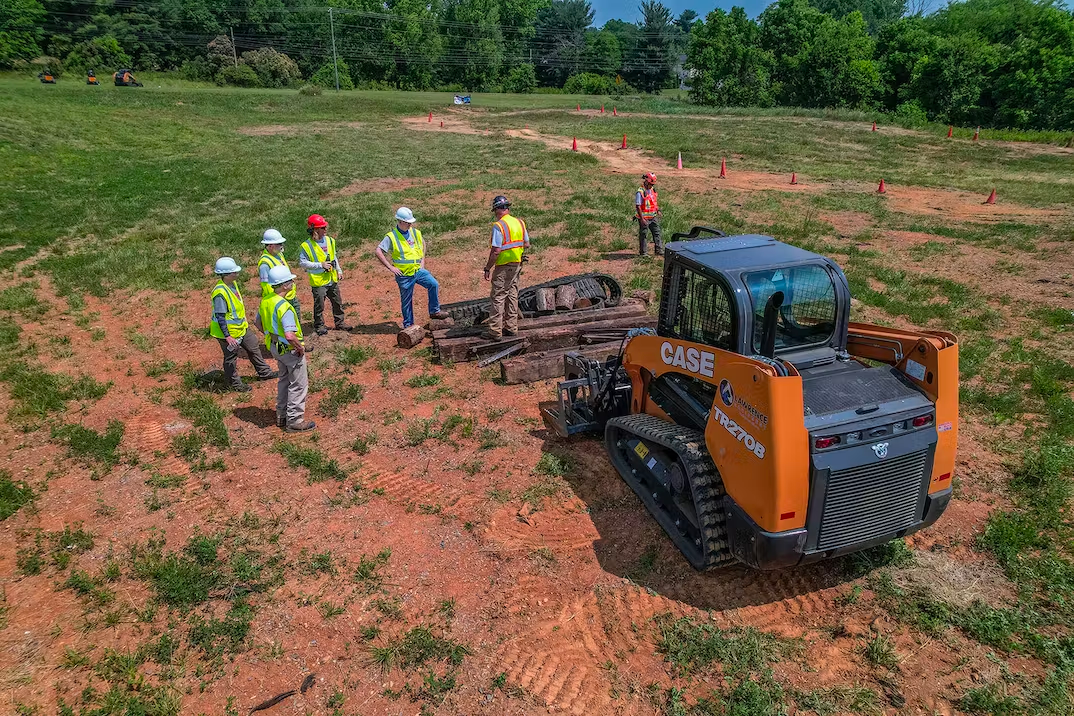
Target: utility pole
{"points": [[234, 50], [335, 63]]}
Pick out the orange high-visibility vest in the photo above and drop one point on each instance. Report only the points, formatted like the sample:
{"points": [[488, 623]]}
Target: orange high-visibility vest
{"points": [[649, 206], [513, 231]]}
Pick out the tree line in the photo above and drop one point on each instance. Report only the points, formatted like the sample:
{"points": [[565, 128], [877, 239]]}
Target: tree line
{"points": [[998, 63], [988, 62]]}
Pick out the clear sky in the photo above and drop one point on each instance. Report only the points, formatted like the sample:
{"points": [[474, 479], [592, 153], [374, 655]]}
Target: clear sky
{"points": [[604, 10]]}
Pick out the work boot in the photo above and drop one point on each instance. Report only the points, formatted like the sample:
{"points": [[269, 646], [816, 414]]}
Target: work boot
{"points": [[301, 427], [343, 326], [281, 423], [440, 315], [240, 388], [509, 334], [322, 331], [269, 376], [486, 336]]}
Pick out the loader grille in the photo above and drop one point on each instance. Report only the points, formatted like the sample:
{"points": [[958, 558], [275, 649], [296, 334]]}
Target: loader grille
{"points": [[872, 500]]}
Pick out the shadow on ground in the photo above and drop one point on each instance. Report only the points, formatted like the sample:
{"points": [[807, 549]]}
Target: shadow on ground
{"points": [[260, 417], [631, 543]]}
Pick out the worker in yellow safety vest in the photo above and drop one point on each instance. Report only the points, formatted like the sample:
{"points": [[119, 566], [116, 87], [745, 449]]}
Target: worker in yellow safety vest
{"points": [[509, 239], [402, 251], [283, 338], [272, 256], [318, 257], [230, 328], [648, 214]]}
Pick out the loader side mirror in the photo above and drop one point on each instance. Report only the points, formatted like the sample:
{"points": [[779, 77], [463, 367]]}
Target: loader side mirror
{"points": [[768, 327]]}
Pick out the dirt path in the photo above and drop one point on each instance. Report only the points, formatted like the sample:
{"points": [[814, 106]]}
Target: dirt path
{"points": [[958, 205]]}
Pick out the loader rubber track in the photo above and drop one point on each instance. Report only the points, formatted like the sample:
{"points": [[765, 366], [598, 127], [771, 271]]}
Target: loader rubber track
{"points": [[595, 286], [702, 537]]}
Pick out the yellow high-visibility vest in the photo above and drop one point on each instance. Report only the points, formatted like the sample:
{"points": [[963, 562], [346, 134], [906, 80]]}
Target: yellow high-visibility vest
{"points": [[315, 254], [236, 312], [272, 310], [272, 260], [405, 257]]}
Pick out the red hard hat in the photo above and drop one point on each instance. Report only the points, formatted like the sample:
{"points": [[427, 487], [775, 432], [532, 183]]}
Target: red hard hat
{"points": [[650, 177], [316, 221]]}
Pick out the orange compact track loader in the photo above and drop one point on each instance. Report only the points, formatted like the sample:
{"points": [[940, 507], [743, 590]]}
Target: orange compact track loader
{"points": [[758, 423]]}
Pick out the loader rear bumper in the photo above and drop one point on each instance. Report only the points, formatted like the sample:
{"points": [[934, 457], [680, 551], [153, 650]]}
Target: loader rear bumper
{"points": [[753, 546]]}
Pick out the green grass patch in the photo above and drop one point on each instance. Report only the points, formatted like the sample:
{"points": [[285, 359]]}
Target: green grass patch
{"points": [[205, 414], [422, 380], [39, 393], [367, 573], [341, 394], [14, 495], [318, 467], [417, 647], [91, 447], [354, 355], [227, 635], [692, 648]]}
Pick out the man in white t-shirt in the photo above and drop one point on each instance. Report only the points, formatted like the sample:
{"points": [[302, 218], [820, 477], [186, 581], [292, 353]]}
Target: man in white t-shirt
{"points": [[402, 251]]}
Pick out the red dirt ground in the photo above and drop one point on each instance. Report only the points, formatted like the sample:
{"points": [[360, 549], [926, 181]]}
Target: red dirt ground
{"points": [[559, 598]]}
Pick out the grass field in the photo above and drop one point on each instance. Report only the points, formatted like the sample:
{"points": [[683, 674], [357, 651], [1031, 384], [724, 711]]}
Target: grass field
{"points": [[431, 548]]}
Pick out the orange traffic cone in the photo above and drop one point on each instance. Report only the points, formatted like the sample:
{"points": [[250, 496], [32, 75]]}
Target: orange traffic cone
{"points": [[578, 108], [882, 189], [976, 133], [614, 112], [723, 168], [624, 142], [950, 130], [602, 109], [574, 146], [794, 178], [991, 197], [874, 126], [679, 164], [441, 124], [430, 116]]}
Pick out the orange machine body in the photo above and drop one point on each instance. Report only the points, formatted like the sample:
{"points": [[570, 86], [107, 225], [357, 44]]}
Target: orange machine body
{"points": [[756, 431]]}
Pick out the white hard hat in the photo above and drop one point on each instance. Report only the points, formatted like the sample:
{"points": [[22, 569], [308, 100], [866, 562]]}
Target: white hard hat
{"points": [[272, 236], [279, 274], [405, 214], [227, 265]]}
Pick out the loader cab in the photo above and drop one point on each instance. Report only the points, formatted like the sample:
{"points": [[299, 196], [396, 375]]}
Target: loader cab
{"points": [[715, 292]]}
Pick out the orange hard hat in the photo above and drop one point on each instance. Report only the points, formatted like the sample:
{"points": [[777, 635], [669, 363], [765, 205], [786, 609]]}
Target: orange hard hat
{"points": [[649, 177], [316, 221]]}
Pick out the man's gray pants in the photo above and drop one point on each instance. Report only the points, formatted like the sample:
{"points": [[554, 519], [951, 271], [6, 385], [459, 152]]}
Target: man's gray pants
{"points": [[252, 345], [292, 388], [331, 291], [658, 241]]}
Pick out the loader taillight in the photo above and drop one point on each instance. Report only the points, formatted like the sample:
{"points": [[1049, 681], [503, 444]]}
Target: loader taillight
{"points": [[786, 515], [922, 420], [943, 477], [827, 442]]}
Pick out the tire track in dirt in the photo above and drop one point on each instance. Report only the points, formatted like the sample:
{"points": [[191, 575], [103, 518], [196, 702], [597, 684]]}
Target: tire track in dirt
{"points": [[154, 445], [558, 528], [409, 490], [557, 660]]}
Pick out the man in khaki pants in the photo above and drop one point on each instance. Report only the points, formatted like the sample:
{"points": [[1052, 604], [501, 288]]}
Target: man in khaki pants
{"points": [[509, 240], [283, 337]]}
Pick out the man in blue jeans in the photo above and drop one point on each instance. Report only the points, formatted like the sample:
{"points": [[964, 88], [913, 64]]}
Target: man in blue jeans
{"points": [[402, 251]]}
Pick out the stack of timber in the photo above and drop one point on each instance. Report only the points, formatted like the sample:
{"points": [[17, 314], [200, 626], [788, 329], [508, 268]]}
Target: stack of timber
{"points": [[537, 351]]}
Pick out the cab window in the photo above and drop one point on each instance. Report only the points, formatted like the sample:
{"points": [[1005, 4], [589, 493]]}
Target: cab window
{"points": [[807, 316], [699, 310]]}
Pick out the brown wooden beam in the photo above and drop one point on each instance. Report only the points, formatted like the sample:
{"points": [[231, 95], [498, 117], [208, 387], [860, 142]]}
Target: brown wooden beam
{"points": [[549, 364]]}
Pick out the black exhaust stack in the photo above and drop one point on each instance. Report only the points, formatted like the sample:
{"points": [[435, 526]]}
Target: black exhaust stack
{"points": [[768, 329]]}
